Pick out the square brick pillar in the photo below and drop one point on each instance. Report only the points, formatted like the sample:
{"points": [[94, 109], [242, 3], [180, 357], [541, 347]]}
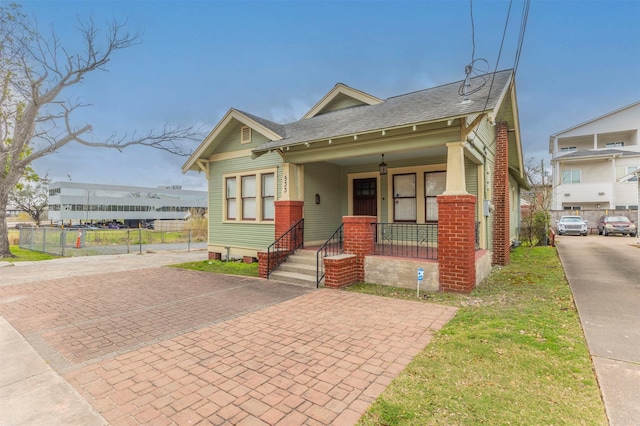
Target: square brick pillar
{"points": [[457, 242], [340, 271], [263, 263], [287, 213], [501, 217], [359, 239]]}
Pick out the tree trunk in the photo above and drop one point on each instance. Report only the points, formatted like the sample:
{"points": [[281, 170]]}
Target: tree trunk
{"points": [[4, 231]]}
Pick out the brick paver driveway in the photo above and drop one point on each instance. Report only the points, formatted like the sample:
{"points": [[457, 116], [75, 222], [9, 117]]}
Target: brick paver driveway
{"points": [[167, 346]]}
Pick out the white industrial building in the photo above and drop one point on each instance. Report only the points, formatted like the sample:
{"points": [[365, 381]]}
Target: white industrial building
{"points": [[74, 202]]}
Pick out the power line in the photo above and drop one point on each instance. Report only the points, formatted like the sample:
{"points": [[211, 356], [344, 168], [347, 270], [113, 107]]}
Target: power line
{"points": [[473, 68], [504, 35], [473, 32], [523, 27]]}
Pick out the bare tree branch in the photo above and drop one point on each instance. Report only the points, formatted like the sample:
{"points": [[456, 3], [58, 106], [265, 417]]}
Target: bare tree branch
{"points": [[34, 71]]}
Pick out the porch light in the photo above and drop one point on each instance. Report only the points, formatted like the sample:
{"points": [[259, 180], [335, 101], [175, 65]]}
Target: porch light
{"points": [[382, 167]]}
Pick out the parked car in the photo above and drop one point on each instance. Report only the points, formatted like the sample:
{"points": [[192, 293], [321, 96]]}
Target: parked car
{"points": [[572, 225], [23, 225], [608, 225]]}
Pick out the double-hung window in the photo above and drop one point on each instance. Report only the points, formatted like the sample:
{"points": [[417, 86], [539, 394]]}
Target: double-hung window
{"points": [[404, 197], [231, 198], [434, 185], [250, 197], [268, 196]]}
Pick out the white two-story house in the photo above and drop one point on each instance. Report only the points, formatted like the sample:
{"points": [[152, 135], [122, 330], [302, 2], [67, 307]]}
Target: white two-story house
{"points": [[594, 163]]}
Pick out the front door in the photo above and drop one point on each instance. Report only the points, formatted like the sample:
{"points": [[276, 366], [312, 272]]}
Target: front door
{"points": [[365, 197]]}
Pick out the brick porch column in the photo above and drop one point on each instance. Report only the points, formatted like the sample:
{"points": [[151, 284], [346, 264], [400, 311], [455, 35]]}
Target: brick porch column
{"points": [[456, 242], [501, 217], [359, 239], [287, 212]]}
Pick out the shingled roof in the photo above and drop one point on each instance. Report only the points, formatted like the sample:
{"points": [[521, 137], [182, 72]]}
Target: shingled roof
{"points": [[428, 105]]}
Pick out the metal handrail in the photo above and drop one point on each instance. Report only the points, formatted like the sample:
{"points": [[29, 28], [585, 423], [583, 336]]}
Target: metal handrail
{"points": [[286, 244], [332, 247]]}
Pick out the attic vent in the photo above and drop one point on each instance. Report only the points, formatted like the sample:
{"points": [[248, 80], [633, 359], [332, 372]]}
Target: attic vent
{"points": [[245, 134]]}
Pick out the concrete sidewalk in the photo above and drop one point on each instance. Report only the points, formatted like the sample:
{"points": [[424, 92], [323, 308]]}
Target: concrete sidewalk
{"points": [[31, 392]]}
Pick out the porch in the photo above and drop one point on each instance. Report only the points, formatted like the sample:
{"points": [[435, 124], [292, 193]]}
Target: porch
{"points": [[362, 249]]}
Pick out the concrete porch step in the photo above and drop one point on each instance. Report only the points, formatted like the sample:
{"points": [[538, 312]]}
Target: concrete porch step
{"points": [[304, 280], [301, 260], [298, 267]]}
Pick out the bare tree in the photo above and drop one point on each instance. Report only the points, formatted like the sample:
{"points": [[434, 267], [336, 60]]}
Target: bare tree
{"points": [[32, 198], [535, 220], [34, 120]]}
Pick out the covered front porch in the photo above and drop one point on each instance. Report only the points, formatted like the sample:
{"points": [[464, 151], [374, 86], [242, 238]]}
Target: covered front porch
{"points": [[419, 207]]}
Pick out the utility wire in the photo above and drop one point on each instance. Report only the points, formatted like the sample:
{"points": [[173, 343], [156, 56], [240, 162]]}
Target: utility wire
{"points": [[523, 27], [473, 33], [493, 77], [472, 68], [504, 35]]}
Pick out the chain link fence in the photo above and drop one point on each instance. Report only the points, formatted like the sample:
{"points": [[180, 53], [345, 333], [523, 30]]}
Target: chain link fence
{"points": [[69, 242]]}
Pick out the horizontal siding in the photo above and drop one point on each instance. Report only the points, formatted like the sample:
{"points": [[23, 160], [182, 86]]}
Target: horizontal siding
{"points": [[471, 181], [384, 206], [321, 220], [229, 139], [341, 103], [242, 235]]}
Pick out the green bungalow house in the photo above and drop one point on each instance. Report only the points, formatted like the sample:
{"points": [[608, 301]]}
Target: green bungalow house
{"points": [[374, 189]]}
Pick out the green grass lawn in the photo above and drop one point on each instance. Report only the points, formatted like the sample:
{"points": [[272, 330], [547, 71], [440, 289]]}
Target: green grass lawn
{"points": [[217, 266], [22, 255], [514, 354]]}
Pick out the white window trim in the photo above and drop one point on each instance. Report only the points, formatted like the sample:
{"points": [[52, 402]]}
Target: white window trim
{"points": [[420, 198], [238, 175]]}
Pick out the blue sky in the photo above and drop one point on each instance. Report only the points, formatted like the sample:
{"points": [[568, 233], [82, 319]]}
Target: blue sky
{"points": [[276, 59]]}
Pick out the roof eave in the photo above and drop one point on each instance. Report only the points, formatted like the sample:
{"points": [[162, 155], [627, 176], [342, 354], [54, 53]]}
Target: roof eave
{"points": [[262, 149]]}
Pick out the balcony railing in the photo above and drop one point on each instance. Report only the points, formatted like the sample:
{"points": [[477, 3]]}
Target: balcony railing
{"points": [[413, 240]]}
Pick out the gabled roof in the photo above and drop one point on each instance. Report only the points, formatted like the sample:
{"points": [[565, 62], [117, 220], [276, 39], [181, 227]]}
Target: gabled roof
{"points": [[594, 120], [339, 92], [364, 113], [269, 129], [276, 128], [424, 106]]}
